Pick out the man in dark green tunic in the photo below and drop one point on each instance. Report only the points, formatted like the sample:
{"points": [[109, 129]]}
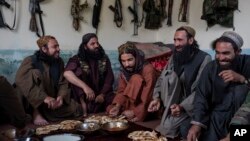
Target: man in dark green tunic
{"points": [[222, 89]]}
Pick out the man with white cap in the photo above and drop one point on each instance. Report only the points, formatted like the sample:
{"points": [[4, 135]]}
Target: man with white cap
{"points": [[221, 91], [175, 88]]}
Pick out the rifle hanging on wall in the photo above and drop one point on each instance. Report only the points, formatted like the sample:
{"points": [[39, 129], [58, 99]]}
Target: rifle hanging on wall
{"points": [[117, 12], [76, 9], [96, 14], [2, 22], [182, 16], [34, 8], [170, 11], [135, 11]]}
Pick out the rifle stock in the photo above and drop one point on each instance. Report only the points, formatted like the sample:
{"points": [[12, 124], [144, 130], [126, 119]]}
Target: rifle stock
{"points": [[34, 7], [170, 9], [182, 17], [134, 11]]}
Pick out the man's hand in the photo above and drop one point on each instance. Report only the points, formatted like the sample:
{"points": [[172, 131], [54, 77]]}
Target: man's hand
{"points": [[90, 94], [194, 133], [129, 114], [176, 110], [50, 101], [99, 98], [231, 76], [114, 111], [154, 105], [58, 102]]}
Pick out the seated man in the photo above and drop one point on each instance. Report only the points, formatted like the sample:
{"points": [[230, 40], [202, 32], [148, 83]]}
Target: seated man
{"points": [[222, 89], [40, 79], [175, 88], [11, 106], [91, 76], [135, 86]]}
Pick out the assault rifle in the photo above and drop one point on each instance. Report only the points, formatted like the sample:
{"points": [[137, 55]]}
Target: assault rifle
{"points": [[117, 12], [2, 23], [182, 17], [34, 7], [170, 10], [96, 14], [134, 11]]}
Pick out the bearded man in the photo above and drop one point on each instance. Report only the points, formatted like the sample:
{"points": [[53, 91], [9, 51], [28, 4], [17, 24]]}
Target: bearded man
{"points": [[40, 79], [222, 89], [91, 76], [135, 85], [175, 88]]}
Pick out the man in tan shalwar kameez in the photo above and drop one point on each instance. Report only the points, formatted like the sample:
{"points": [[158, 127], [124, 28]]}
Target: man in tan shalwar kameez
{"points": [[135, 85], [40, 79]]}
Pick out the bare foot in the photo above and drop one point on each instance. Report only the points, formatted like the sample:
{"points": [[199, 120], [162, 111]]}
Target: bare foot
{"points": [[38, 119]]}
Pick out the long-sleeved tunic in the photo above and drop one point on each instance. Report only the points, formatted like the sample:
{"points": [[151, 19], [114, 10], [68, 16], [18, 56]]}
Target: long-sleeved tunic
{"points": [[173, 89], [36, 85], [216, 101], [136, 93]]}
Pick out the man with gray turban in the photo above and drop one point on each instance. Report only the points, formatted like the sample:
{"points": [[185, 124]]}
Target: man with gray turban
{"points": [[91, 76], [222, 89], [40, 79]]}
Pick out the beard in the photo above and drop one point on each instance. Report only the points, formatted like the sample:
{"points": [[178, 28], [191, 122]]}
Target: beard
{"points": [[227, 64], [95, 54], [182, 57]]}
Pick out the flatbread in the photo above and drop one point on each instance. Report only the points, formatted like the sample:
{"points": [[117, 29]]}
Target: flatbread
{"points": [[145, 136], [64, 125], [104, 119]]}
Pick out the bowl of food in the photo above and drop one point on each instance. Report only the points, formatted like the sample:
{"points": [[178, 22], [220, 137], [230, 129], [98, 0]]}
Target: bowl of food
{"points": [[115, 126], [88, 127]]}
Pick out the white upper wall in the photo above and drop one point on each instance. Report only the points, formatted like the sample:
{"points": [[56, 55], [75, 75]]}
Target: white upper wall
{"points": [[58, 22]]}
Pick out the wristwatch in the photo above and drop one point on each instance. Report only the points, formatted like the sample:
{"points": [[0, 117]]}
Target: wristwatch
{"points": [[247, 82]]}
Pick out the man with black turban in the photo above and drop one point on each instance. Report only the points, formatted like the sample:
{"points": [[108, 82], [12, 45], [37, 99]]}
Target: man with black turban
{"points": [[90, 75]]}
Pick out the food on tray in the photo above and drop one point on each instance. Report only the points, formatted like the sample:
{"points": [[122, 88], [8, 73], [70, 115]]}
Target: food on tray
{"points": [[64, 125], [104, 119], [69, 124], [47, 129], [145, 135]]}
